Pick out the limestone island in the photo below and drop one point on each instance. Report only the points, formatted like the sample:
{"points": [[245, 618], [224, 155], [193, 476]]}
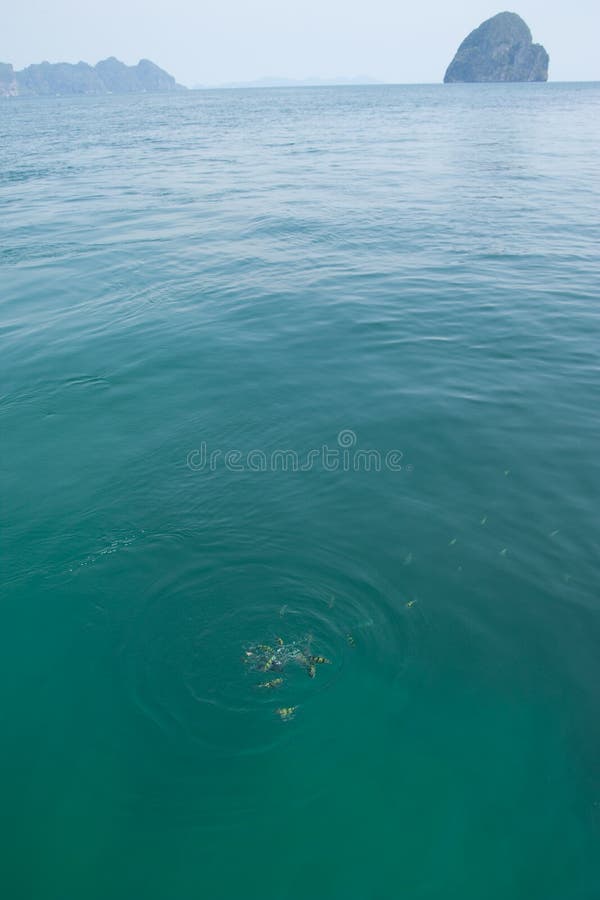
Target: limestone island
{"points": [[501, 49], [110, 76]]}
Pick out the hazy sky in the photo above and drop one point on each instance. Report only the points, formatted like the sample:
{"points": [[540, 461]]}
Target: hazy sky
{"points": [[214, 41]]}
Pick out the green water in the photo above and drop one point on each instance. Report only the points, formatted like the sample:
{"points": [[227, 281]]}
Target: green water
{"points": [[409, 271]]}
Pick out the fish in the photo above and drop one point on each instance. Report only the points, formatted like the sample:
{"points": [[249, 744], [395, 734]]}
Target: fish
{"points": [[269, 685]]}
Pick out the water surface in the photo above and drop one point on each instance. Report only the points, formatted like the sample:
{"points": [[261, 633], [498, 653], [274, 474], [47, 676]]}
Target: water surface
{"points": [[408, 269]]}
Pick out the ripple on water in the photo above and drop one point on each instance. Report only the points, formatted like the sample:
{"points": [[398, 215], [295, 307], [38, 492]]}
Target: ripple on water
{"points": [[185, 671]]}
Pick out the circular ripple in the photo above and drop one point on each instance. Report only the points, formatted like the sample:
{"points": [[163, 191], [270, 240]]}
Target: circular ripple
{"points": [[185, 671], [185, 652]]}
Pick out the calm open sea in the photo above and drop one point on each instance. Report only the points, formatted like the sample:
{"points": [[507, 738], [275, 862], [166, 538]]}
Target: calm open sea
{"points": [[213, 305]]}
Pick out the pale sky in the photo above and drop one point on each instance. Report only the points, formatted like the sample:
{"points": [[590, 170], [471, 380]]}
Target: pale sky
{"points": [[216, 41]]}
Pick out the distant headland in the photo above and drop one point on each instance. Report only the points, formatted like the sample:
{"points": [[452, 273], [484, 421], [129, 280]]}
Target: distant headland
{"points": [[501, 49], [110, 76]]}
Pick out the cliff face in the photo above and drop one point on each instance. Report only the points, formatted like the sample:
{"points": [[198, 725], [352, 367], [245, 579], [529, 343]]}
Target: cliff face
{"points": [[117, 77], [108, 76], [59, 78], [8, 82], [501, 49], [153, 78], [146, 76]]}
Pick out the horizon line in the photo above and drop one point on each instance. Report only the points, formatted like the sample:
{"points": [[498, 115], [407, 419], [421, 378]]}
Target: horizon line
{"points": [[252, 85]]}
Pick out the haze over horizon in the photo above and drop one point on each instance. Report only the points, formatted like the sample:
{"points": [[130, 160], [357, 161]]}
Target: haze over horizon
{"points": [[239, 42]]}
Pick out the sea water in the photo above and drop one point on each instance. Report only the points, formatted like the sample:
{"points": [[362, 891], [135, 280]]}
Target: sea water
{"points": [[317, 366]]}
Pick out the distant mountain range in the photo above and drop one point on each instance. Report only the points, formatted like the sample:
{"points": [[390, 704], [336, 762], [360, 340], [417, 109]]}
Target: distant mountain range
{"points": [[289, 82], [110, 76]]}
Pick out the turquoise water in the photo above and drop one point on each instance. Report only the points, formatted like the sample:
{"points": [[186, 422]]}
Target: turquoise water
{"points": [[408, 271]]}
